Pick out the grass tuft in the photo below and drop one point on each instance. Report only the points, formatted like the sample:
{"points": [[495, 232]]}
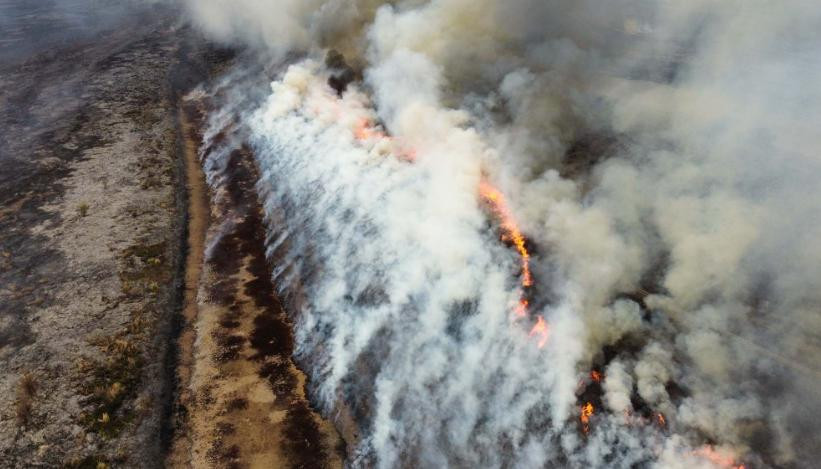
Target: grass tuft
{"points": [[112, 386]]}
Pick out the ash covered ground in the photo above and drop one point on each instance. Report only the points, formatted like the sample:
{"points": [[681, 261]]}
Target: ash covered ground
{"points": [[91, 229], [121, 343]]}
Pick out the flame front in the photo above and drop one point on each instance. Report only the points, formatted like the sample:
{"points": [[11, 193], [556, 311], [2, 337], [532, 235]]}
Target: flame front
{"points": [[510, 229], [511, 232]]}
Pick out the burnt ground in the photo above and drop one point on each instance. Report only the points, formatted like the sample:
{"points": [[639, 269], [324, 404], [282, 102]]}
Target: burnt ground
{"points": [[92, 223], [244, 404], [103, 221]]}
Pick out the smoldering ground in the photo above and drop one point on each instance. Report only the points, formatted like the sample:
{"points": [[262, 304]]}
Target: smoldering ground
{"points": [[662, 160]]}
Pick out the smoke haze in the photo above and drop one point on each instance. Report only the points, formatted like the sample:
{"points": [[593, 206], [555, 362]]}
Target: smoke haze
{"points": [[34, 27], [661, 159]]}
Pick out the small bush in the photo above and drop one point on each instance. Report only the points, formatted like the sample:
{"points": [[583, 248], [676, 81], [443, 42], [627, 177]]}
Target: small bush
{"points": [[26, 390], [83, 209]]}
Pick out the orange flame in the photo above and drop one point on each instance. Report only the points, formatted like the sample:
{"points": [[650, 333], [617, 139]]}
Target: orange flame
{"points": [[720, 459], [365, 131], [587, 412], [595, 376], [540, 330], [521, 308], [660, 418], [511, 231]]}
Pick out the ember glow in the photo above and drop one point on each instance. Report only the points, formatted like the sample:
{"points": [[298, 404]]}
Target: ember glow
{"points": [[510, 229], [365, 131], [586, 413], [521, 308], [720, 459], [541, 331], [660, 419]]}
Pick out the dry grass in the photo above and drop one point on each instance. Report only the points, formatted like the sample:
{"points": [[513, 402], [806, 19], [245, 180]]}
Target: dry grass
{"points": [[111, 384], [26, 391], [87, 462]]}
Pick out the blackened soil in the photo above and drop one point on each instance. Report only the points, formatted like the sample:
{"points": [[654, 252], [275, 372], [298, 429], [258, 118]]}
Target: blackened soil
{"points": [[271, 338], [249, 339]]}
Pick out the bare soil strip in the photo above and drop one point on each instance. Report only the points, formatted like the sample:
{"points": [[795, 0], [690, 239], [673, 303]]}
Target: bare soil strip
{"points": [[198, 220]]}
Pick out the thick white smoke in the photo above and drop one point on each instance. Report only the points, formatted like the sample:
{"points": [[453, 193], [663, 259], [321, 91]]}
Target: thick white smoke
{"points": [[663, 160]]}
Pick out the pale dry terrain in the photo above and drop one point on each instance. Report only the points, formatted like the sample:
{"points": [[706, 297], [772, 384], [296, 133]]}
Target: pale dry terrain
{"points": [[121, 343], [91, 225]]}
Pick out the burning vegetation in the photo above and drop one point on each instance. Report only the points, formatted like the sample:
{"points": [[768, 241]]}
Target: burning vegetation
{"points": [[530, 235], [369, 136], [367, 132]]}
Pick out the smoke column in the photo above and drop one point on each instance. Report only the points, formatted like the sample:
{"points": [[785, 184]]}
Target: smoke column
{"points": [[662, 160]]}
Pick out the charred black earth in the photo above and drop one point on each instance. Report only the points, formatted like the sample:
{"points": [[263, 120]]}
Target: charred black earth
{"points": [[92, 225]]}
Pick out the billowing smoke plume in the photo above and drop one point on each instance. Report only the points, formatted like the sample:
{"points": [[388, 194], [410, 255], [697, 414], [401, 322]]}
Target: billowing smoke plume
{"points": [[660, 157]]}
